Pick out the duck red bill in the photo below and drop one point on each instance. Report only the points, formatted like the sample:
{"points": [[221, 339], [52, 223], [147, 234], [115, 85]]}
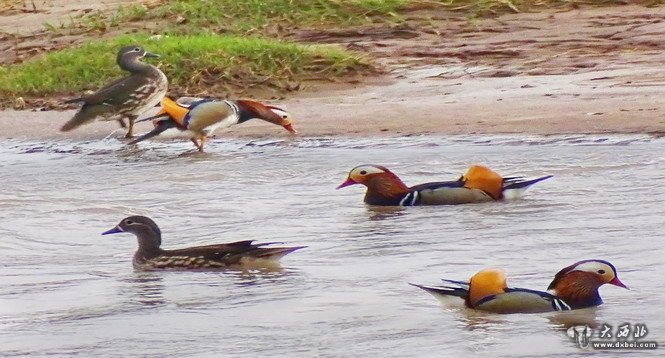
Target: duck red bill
{"points": [[616, 282], [289, 127], [347, 183]]}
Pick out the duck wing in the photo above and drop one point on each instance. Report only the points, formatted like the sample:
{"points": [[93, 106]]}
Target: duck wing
{"points": [[448, 193], [512, 300], [207, 114], [109, 100], [232, 253], [522, 300]]}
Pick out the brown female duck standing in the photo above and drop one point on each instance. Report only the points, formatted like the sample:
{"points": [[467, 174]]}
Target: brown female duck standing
{"points": [[126, 97]]}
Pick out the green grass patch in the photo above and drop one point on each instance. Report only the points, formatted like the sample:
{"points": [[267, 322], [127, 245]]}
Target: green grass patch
{"points": [[282, 16], [194, 64], [191, 16]]}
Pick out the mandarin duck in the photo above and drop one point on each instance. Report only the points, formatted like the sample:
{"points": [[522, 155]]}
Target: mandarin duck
{"points": [[241, 254], [478, 184], [126, 97], [197, 118], [574, 287]]}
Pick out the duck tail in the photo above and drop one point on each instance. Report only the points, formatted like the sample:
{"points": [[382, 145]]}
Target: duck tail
{"points": [[275, 253], [85, 115], [445, 291], [514, 187], [74, 100], [159, 115], [160, 127]]}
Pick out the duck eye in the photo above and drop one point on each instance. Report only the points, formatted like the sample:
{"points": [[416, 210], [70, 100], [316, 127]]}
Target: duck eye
{"points": [[137, 49], [601, 272], [128, 222], [363, 172], [284, 116]]}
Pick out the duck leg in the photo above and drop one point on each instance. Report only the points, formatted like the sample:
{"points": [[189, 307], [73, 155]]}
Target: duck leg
{"points": [[196, 143], [130, 128], [122, 123], [203, 140]]}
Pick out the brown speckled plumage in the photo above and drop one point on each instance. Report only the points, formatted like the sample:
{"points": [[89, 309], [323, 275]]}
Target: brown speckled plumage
{"points": [[150, 256], [126, 97]]}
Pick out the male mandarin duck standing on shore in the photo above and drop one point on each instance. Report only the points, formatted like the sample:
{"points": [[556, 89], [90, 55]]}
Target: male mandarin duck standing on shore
{"points": [[241, 254], [478, 184], [196, 119], [574, 287], [128, 97]]}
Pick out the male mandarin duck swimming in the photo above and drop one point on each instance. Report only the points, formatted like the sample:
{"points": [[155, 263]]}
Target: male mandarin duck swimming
{"points": [[574, 287], [127, 97], [478, 184], [196, 119], [241, 254]]}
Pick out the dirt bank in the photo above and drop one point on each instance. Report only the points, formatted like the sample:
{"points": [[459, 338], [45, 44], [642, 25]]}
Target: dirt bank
{"points": [[580, 71]]}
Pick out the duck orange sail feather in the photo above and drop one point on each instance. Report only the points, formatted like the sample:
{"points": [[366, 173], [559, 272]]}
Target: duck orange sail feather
{"points": [[487, 282], [173, 109], [483, 178]]}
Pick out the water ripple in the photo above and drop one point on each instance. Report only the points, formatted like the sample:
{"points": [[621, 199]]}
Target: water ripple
{"points": [[66, 290]]}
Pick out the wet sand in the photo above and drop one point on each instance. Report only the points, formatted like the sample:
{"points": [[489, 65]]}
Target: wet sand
{"points": [[595, 102], [580, 71]]}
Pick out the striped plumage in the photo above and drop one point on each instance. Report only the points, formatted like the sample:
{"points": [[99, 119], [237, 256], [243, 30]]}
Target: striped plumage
{"points": [[241, 254], [574, 287], [197, 118], [126, 97], [478, 184]]}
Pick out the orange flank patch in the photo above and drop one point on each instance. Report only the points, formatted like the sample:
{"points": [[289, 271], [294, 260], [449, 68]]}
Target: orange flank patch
{"points": [[483, 178], [176, 111], [485, 283]]}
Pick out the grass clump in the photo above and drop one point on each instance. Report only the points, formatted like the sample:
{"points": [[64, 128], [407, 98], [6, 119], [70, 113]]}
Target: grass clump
{"points": [[282, 16], [198, 64], [493, 7], [187, 16]]}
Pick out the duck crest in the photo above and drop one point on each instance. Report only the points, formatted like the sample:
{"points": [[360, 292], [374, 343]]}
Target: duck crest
{"points": [[483, 178], [252, 109], [487, 282], [174, 110]]}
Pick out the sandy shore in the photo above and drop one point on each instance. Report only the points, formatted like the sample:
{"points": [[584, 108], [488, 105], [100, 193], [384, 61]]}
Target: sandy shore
{"points": [[582, 71], [595, 102]]}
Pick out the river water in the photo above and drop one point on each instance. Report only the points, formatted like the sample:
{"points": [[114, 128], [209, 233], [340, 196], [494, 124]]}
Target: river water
{"points": [[65, 290]]}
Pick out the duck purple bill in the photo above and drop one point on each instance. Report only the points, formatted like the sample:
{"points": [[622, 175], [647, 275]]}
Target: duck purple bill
{"points": [[348, 182], [616, 282], [115, 230]]}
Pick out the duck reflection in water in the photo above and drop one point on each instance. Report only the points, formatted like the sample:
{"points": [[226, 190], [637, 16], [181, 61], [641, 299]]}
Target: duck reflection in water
{"points": [[145, 288], [378, 213]]}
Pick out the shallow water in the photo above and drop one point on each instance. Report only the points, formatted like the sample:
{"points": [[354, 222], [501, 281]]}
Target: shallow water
{"points": [[66, 290]]}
